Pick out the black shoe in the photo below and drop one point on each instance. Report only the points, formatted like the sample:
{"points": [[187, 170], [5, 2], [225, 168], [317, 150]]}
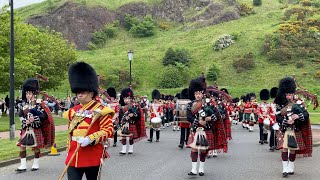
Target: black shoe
{"points": [[150, 140], [114, 145], [192, 174], [265, 141], [180, 146], [272, 148], [157, 140], [21, 170], [129, 152], [34, 169], [121, 153], [261, 142], [291, 173], [284, 174], [201, 173]]}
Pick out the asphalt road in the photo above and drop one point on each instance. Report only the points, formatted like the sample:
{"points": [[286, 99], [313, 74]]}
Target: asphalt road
{"points": [[246, 160]]}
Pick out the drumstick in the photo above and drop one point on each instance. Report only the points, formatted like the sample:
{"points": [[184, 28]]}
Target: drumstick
{"points": [[97, 111]]}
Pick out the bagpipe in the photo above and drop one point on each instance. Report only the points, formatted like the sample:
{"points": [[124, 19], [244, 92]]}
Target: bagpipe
{"points": [[306, 95], [124, 123], [45, 79]]}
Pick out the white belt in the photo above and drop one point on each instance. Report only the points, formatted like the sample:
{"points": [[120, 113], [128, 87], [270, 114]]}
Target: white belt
{"points": [[75, 138]]}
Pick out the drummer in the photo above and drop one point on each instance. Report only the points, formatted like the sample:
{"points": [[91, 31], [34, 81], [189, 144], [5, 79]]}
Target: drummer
{"points": [[156, 112], [265, 116]]}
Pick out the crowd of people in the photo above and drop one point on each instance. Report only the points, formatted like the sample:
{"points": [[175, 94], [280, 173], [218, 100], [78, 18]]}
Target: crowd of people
{"points": [[203, 115]]}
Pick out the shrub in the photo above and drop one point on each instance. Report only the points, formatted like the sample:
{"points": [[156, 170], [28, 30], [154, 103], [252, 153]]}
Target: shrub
{"points": [[213, 73], [244, 63], [246, 10], [172, 57], [140, 28], [257, 2], [306, 3], [171, 78], [317, 75], [299, 64], [164, 26], [100, 38], [223, 42]]}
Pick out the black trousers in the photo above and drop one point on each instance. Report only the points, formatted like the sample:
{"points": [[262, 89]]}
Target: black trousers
{"points": [[263, 137], [157, 134], [184, 135], [77, 173], [273, 138]]}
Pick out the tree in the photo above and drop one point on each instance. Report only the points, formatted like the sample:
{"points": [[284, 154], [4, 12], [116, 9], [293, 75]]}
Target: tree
{"points": [[213, 73], [44, 52]]}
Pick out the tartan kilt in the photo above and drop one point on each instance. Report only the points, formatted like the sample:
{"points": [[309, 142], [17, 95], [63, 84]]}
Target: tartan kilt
{"points": [[133, 131], [184, 124], [282, 141], [219, 135], [38, 135], [209, 135]]}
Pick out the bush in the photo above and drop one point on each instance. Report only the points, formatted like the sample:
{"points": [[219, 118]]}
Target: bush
{"points": [[246, 10], [257, 2], [244, 63], [299, 64], [223, 42], [317, 75], [164, 26], [100, 38], [213, 73], [140, 28], [172, 57], [171, 78], [306, 3]]}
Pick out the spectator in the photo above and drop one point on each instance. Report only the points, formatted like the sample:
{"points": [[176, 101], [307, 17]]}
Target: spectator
{"points": [[7, 100]]}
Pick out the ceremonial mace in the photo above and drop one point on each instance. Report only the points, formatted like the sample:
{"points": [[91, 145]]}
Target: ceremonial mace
{"points": [[96, 116]]}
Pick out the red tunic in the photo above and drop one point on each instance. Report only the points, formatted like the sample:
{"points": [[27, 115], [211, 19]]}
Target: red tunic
{"points": [[101, 129]]}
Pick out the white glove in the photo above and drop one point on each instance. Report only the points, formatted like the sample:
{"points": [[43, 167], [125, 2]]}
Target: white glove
{"points": [[84, 141]]}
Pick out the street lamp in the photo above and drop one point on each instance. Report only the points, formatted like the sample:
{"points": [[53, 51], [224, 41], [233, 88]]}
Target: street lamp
{"points": [[130, 56], [11, 106]]}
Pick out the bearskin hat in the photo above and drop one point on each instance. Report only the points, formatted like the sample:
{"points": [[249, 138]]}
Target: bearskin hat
{"points": [[213, 93], [112, 92], [225, 90], [127, 92], [155, 94], [235, 100], [248, 98], [264, 94], [178, 95], [30, 85], [82, 77], [196, 85], [286, 85], [184, 93], [243, 98], [273, 92]]}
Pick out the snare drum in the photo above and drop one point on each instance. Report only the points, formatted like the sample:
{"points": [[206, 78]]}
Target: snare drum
{"points": [[156, 122]]}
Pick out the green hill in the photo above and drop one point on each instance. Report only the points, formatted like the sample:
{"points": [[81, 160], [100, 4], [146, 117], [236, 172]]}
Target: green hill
{"points": [[147, 65]]}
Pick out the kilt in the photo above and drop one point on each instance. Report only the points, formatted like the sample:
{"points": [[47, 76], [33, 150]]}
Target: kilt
{"points": [[38, 135], [184, 124], [209, 135], [219, 134], [283, 140], [133, 130]]}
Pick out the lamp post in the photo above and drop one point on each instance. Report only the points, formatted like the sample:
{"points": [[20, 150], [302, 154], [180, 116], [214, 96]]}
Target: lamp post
{"points": [[11, 105], [130, 56]]}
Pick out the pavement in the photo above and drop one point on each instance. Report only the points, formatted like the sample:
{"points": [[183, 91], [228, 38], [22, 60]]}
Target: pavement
{"points": [[246, 160]]}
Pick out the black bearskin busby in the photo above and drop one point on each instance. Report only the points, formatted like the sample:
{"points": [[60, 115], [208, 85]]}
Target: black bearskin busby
{"points": [[286, 85], [112, 92], [243, 98], [196, 85], [264, 94], [82, 77], [30, 85], [235, 100], [273, 92], [178, 95], [184, 93], [156, 94], [225, 90], [127, 92]]}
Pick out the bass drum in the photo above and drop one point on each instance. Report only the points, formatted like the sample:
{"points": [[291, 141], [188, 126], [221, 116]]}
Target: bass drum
{"points": [[156, 122]]}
